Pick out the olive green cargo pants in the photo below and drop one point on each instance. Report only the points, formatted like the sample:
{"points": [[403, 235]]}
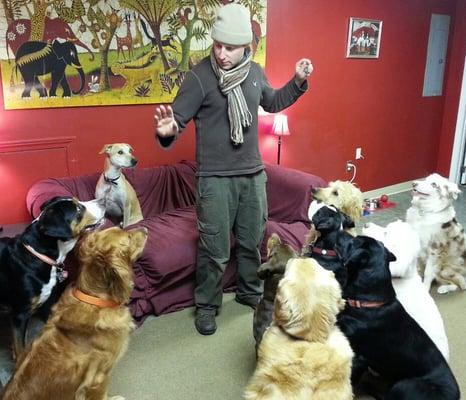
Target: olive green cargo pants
{"points": [[225, 204]]}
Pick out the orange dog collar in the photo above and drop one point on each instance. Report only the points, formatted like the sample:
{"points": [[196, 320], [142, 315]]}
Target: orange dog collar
{"points": [[95, 301]]}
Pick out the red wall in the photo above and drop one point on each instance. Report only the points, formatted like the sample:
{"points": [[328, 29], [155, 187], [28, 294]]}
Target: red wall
{"points": [[373, 104]]}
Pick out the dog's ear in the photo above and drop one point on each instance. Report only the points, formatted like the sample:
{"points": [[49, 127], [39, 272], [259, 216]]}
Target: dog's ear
{"points": [[54, 224], [452, 190], [357, 257], [51, 201], [273, 241], [391, 256], [106, 149], [347, 222]]}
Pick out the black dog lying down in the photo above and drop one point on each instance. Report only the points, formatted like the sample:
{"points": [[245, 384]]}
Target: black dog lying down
{"points": [[382, 334], [31, 263], [271, 272], [328, 221]]}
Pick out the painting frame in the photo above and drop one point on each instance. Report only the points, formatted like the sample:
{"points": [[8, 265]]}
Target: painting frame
{"points": [[364, 38], [117, 53]]}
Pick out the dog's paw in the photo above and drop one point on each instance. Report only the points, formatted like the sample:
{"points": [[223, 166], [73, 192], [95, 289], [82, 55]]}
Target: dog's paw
{"points": [[115, 398], [446, 288]]}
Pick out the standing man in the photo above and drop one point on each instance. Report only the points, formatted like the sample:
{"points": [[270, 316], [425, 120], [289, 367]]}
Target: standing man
{"points": [[222, 94]]}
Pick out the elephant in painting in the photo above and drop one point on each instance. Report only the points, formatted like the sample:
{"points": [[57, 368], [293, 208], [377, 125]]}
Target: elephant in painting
{"points": [[35, 59], [19, 31]]}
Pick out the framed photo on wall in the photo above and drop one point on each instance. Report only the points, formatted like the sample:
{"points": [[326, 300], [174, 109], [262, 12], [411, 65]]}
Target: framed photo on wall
{"points": [[363, 38]]}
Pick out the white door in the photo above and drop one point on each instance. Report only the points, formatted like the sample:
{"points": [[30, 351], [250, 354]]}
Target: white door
{"points": [[436, 53], [458, 159]]}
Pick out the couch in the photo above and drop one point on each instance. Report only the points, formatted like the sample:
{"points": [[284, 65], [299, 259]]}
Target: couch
{"points": [[165, 273]]}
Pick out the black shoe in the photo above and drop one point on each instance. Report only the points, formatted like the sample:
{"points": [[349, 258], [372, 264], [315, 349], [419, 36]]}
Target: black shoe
{"points": [[251, 301], [205, 321]]}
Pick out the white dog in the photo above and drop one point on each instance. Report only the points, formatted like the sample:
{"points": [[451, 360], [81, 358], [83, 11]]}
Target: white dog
{"points": [[403, 241], [443, 245], [121, 201]]}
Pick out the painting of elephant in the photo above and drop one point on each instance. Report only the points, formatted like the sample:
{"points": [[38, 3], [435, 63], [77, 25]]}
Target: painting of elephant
{"points": [[19, 32], [34, 59]]}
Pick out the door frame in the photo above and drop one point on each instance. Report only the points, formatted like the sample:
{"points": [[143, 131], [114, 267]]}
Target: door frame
{"points": [[459, 146]]}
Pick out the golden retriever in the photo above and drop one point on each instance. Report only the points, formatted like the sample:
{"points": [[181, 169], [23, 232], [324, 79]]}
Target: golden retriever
{"points": [[89, 328], [303, 355], [343, 195]]}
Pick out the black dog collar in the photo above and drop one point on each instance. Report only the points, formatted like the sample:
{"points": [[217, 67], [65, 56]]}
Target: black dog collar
{"points": [[113, 181]]}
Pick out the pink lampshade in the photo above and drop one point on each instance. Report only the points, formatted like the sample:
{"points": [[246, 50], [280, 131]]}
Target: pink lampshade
{"points": [[280, 125]]}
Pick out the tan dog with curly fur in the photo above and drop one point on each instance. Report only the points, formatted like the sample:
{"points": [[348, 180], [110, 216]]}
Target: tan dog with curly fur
{"points": [[303, 355], [343, 195], [89, 329]]}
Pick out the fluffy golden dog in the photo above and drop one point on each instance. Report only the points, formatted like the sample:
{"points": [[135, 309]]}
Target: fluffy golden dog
{"points": [[343, 195], [89, 329], [303, 355]]}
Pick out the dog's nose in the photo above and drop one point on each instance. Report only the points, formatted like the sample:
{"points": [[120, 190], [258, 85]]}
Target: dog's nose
{"points": [[134, 162]]}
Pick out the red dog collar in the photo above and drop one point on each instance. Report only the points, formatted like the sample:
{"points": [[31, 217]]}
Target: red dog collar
{"points": [[62, 274], [364, 304], [324, 252]]}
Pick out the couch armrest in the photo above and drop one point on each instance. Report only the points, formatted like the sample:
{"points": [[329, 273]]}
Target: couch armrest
{"points": [[82, 188], [289, 193]]}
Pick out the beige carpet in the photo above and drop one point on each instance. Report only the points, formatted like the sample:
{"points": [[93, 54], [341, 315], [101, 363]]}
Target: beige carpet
{"points": [[168, 360]]}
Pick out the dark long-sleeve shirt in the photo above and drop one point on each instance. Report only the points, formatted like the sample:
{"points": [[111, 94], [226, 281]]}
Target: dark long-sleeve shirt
{"points": [[200, 98]]}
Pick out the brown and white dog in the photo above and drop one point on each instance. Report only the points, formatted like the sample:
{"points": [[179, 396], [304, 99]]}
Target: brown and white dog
{"points": [[443, 244], [122, 203], [89, 328], [304, 355]]}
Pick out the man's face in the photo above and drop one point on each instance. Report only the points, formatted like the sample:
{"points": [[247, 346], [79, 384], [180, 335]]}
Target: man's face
{"points": [[228, 56]]}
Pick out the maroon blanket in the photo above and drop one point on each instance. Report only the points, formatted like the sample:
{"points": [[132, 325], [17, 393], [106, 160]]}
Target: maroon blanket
{"points": [[165, 274]]}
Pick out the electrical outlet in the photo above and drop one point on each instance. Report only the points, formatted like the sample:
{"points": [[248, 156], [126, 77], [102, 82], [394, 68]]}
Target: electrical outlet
{"points": [[358, 155]]}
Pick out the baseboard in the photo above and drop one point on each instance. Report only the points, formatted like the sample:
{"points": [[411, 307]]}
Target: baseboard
{"points": [[388, 190]]}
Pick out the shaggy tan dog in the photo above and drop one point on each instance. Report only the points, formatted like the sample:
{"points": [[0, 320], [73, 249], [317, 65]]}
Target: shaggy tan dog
{"points": [[343, 195], [89, 329], [303, 355]]}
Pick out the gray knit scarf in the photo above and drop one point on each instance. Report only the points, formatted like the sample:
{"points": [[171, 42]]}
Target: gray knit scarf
{"points": [[229, 83]]}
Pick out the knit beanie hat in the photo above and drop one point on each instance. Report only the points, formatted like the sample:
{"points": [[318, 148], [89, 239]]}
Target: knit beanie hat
{"points": [[233, 25]]}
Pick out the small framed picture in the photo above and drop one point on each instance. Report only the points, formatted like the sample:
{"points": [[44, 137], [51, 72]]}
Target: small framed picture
{"points": [[364, 38]]}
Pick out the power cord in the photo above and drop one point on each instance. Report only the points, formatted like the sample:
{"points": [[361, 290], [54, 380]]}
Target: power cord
{"points": [[351, 167]]}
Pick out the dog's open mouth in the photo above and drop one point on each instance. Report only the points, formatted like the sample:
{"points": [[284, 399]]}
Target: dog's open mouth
{"points": [[92, 227], [420, 194]]}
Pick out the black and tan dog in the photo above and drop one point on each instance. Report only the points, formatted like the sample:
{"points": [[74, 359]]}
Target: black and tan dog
{"points": [[327, 221], [382, 334], [31, 263], [270, 272]]}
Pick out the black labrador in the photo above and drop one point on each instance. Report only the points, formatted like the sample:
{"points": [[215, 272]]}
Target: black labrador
{"points": [[382, 334]]}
